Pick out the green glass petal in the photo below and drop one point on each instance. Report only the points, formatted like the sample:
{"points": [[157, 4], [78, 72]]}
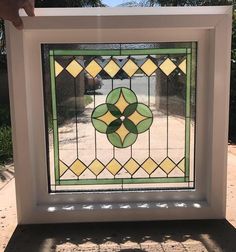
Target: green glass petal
{"points": [[130, 126], [129, 140], [115, 140], [130, 109], [100, 111], [144, 125], [99, 125], [113, 126], [114, 110], [129, 95], [113, 96], [144, 110]]}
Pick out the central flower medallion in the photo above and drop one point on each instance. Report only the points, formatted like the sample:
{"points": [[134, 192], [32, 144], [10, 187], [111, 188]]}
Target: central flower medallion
{"points": [[122, 117]]}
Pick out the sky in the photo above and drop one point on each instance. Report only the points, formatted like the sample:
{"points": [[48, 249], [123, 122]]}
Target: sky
{"points": [[113, 3]]}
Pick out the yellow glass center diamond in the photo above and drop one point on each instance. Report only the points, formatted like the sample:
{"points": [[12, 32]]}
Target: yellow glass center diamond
{"points": [[58, 68], [112, 68], [74, 68], [167, 165], [96, 167], [149, 165], [136, 118], [78, 167], [122, 132], [130, 67], [113, 166], [107, 118], [93, 68], [167, 66], [121, 103], [131, 166], [149, 67]]}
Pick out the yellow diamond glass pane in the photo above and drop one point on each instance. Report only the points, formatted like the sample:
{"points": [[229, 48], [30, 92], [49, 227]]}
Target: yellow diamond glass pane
{"points": [[149, 165], [167, 165], [78, 167], [93, 68], [148, 67], [181, 165], [122, 103], [62, 168], [136, 118], [58, 68], [122, 132], [112, 68], [182, 66], [130, 68], [113, 167], [107, 118], [167, 66], [96, 167], [131, 166], [74, 68]]}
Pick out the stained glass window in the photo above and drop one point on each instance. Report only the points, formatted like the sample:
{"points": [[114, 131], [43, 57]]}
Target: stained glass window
{"points": [[120, 116]]}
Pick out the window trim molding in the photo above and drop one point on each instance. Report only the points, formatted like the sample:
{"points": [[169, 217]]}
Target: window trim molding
{"points": [[59, 25]]}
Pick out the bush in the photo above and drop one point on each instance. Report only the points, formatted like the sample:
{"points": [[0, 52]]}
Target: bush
{"points": [[5, 144], [232, 111], [5, 115], [5, 135]]}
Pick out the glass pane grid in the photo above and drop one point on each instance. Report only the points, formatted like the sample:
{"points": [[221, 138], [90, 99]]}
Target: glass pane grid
{"points": [[121, 118]]}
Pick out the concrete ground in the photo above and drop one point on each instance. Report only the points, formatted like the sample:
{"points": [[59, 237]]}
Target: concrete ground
{"points": [[174, 236]]}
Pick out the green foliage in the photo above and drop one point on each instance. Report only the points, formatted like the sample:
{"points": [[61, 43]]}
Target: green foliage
{"points": [[232, 112], [68, 3], [178, 2], [5, 115], [2, 40], [5, 135], [5, 144], [3, 61]]}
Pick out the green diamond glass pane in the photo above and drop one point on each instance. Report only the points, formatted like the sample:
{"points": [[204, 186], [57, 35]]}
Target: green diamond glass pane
{"points": [[113, 126], [100, 111], [130, 139], [114, 96], [115, 140], [144, 125], [144, 110], [130, 126], [129, 95], [130, 109], [114, 110], [99, 125]]}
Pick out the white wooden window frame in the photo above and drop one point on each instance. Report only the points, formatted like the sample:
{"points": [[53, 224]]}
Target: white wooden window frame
{"points": [[210, 27]]}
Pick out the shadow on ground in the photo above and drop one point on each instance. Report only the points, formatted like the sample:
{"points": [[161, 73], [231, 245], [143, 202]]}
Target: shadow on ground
{"points": [[197, 235]]}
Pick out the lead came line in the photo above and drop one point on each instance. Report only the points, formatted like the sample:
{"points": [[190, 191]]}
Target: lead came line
{"points": [[76, 118]]}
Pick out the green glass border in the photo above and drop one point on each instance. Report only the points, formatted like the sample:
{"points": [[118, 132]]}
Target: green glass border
{"points": [[187, 116], [118, 52], [54, 118], [121, 181]]}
